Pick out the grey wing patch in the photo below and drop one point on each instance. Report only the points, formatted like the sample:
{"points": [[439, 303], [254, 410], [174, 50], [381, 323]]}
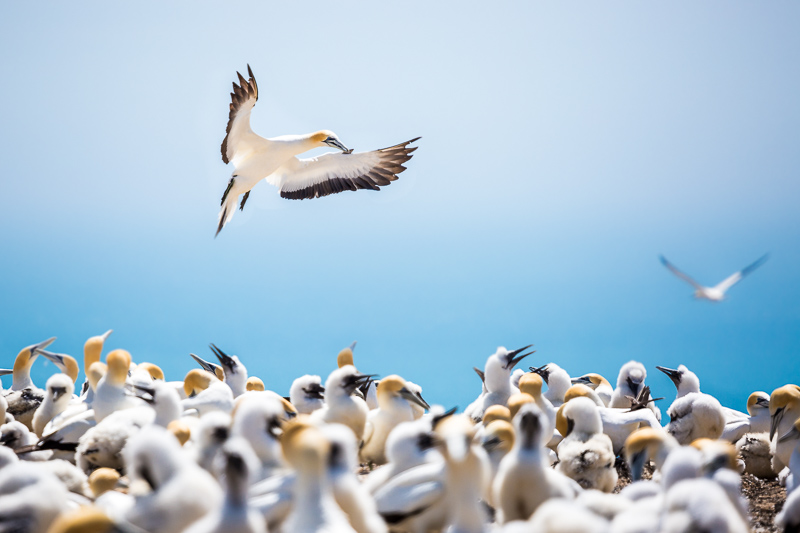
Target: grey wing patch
{"points": [[241, 93], [383, 173]]}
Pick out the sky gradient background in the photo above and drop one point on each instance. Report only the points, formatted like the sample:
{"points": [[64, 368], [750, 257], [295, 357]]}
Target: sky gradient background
{"points": [[565, 146]]}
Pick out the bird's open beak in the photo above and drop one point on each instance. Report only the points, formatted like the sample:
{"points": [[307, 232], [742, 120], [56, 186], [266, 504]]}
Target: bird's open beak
{"points": [[143, 392], [414, 398], [674, 375], [775, 422], [513, 359], [542, 371], [315, 391], [634, 386], [227, 362]]}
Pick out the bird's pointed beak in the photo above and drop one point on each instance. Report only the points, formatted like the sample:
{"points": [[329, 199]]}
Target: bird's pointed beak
{"points": [[105, 335], [414, 398], [583, 380], [480, 373], [672, 374], [542, 371], [637, 465], [331, 141], [6, 371], [55, 358], [775, 422], [225, 360], [513, 359], [353, 346], [205, 365]]}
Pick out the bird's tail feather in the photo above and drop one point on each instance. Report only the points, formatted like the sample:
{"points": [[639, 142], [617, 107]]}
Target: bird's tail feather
{"points": [[226, 211]]}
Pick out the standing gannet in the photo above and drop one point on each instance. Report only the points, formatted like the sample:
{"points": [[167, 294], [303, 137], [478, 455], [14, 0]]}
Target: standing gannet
{"points": [[260, 422], [784, 409], [341, 406], [756, 422], [618, 423], [176, 483], [237, 465], [110, 394], [394, 407], [58, 393], [524, 481], [92, 351], [255, 158], [314, 510], [205, 393], [370, 387], [24, 397], [307, 394], [498, 439], [646, 444], [531, 383], [599, 384], [585, 454], [497, 381], [630, 381], [693, 414], [351, 495], [716, 293], [235, 372], [466, 475], [557, 380]]}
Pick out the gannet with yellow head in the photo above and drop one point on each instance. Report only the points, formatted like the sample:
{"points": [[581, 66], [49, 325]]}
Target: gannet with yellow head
{"points": [[255, 158], [784, 409], [24, 397], [394, 407], [597, 383]]}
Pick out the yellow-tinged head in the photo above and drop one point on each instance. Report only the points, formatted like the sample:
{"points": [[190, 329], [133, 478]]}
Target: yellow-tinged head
{"points": [[95, 373], [757, 400], [783, 397], [577, 391], [597, 380], [86, 519], [152, 369], [717, 453], [561, 421], [531, 383], [254, 383], [303, 444], [499, 434], [289, 409], [345, 357], [516, 401], [71, 367], [321, 135], [196, 380], [393, 387], [118, 362], [643, 439], [103, 480], [93, 349], [496, 412], [181, 430], [28, 355]]}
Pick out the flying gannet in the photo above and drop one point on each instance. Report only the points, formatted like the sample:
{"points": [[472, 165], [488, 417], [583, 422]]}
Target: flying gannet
{"points": [[255, 158], [716, 293]]}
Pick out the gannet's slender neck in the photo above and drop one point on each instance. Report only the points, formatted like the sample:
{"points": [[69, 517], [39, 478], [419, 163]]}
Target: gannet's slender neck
{"points": [[22, 369]]}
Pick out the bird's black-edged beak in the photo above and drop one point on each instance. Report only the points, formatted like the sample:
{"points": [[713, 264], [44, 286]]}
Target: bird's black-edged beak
{"points": [[414, 398], [6, 371], [491, 443], [315, 390], [763, 402], [637, 463], [775, 422], [143, 392], [513, 359], [351, 383], [674, 375], [633, 386], [439, 418], [480, 373], [58, 392], [205, 365], [336, 143], [37, 348], [56, 358], [227, 362], [542, 371], [583, 380]]}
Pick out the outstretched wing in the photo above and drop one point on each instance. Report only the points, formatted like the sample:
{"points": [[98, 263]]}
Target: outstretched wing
{"points": [[680, 274], [243, 98], [737, 277], [335, 172]]}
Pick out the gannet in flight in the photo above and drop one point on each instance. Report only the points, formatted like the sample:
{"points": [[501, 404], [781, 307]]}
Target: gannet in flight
{"points": [[716, 293], [255, 158]]}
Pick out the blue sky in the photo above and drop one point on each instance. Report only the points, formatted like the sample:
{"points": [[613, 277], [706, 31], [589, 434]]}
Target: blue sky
{"points": [[565, 146]]}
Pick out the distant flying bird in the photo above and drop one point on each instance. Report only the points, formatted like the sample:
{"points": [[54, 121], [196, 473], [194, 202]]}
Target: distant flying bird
{"points": [[716, 293], [255, 158]]}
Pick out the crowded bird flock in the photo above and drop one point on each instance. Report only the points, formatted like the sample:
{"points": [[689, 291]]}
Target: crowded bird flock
{"points": [[128, 450]]}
